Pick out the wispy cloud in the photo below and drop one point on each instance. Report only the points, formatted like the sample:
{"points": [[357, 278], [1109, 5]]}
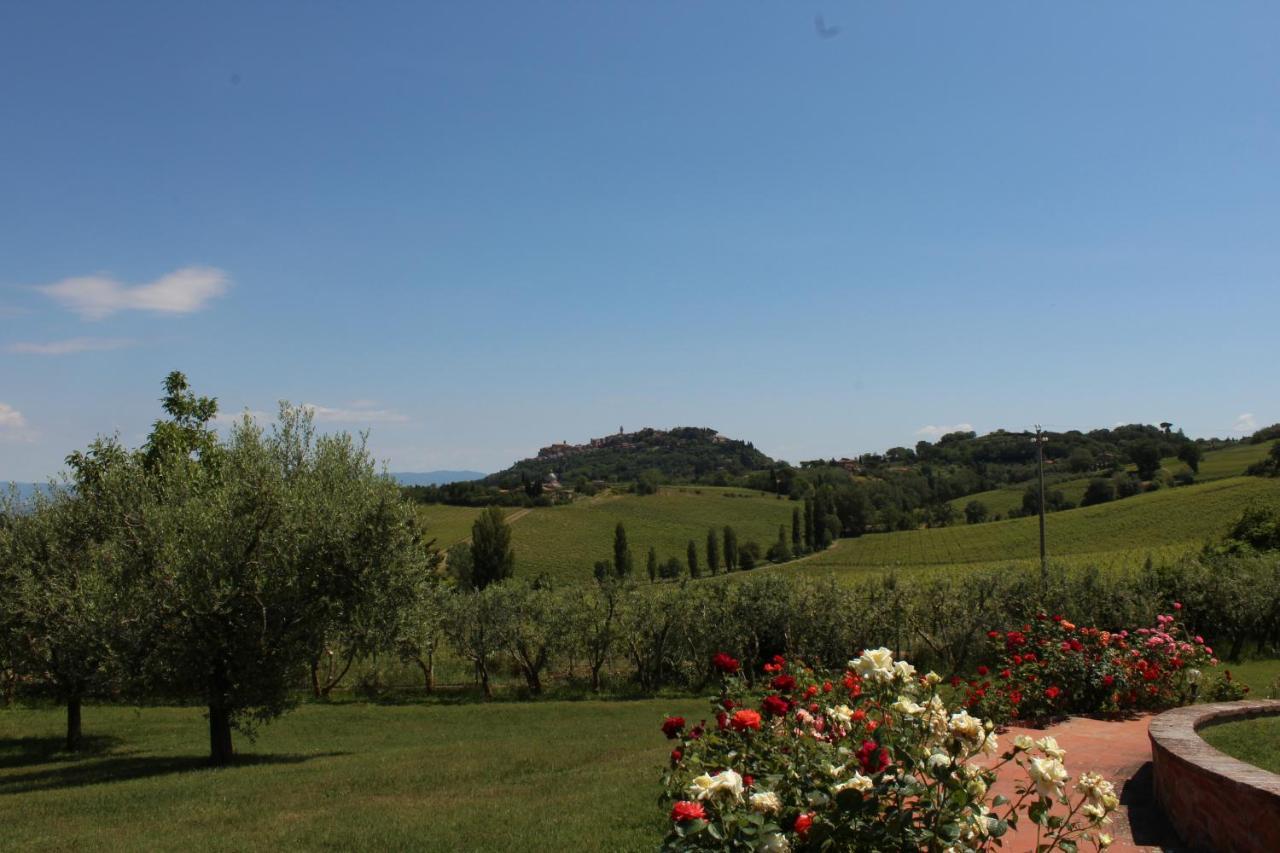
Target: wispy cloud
{"points": [[938, 431], [1245, 423], [355, 414], [182, 291], [229, 418], [69, 346]]}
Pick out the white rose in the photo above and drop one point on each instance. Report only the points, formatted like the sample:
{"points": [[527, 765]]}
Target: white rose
{"points": [[841, 714], [967, 727], [1048, 774], [726, 783], [858, 783], [875, 665], [774, 842], [1049, 746], [1023, 742], [990, 744], [939, 759], [904, 670], [1193, 676], [766, 802], [906, 706]]}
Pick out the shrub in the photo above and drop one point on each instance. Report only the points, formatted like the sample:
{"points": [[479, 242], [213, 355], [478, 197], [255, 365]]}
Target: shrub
{"points": [[865, 759], [1050, 667]]}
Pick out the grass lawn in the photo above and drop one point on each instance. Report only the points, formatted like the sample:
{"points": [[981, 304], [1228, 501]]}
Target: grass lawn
{"points": [[1254, 741], [503, 776]]}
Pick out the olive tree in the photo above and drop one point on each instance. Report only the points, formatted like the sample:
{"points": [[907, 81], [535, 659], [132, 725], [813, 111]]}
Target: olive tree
{"points": [[60, 612], [256, 553]]}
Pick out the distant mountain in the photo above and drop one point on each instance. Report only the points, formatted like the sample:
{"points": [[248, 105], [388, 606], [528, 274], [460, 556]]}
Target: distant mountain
{"points": [[435, 478], [25, 490], [678, 454]]}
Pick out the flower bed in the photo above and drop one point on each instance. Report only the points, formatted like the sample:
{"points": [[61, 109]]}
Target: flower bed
{"points": [[1051, 667], [867, 759]]}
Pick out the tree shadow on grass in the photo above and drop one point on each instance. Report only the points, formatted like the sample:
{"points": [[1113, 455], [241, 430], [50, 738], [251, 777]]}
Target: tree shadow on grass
{"points": [[125, 767], [27, 751]]}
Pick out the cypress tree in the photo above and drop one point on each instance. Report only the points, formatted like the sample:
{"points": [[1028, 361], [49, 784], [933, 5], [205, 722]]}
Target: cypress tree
{"points": [[692, 552], [653, 565], [796, 534], [713, 551], [730, 548], [808, 524], [621, 553]]}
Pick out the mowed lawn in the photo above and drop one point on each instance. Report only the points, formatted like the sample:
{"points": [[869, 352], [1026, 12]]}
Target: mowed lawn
{"points": [[1162, 523], [504, 776], [1254, 741]]}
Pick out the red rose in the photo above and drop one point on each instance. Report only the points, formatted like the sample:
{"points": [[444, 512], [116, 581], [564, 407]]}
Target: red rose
{"points": [[1004, 673], [722, 719], [672, 726], [784, 683], [993, 635], [982, 670], [745, 719], [685, 811], [1052, 693], [726, 664], [802, 824], [775, 705], [1108, 680], [748, 780], [826, 687], [729, 704], [872, 758], [676, 755]]}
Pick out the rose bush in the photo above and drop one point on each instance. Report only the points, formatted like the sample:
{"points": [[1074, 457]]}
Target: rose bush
{"points": [[1051, 667], [867, 759]]}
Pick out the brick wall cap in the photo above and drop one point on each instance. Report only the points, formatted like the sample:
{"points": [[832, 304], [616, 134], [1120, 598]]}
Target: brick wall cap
{"points": [[1177, 733]]}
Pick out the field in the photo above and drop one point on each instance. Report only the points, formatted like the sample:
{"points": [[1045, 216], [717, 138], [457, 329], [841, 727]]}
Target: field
{"points": [[565, 542], [505, 776], [1162, 524], [1216, 465]]}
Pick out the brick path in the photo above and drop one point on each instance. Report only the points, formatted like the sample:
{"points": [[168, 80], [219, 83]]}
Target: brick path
{"points": [[1121, 752]]}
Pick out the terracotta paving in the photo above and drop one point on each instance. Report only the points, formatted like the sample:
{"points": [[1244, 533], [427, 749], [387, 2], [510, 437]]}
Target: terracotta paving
{"points": [[1121, 752]]}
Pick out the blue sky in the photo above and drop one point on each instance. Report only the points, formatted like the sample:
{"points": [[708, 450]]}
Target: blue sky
{"points": [[479, 228]]}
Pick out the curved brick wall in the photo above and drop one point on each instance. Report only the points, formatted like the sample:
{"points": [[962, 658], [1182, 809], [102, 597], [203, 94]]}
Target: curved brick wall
{"points": [[1215, 802]]}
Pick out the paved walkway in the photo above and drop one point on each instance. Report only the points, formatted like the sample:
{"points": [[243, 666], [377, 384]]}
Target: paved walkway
{"points": [[1121, 752]]}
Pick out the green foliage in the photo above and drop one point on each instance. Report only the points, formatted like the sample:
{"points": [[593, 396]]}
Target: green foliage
{"points": [[492, 557], [975, 512], [731, 555], [1100, 491], [1145, 455], [682, 454], [622, 563]]}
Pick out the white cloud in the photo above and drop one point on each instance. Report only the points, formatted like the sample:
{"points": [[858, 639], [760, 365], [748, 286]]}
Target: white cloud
{"points": [[939, 431], [182, 291], [11, 418], [358, 414], [13, 426], [1245, 423], [69, 346]]}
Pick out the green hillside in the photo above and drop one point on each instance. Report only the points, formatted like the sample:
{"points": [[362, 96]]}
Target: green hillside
{"points": [[565, 542], [1162, 523], [1216, 465]]}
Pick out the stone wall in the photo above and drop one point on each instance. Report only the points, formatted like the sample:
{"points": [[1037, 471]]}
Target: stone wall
{"points": [[1215, 802]]}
